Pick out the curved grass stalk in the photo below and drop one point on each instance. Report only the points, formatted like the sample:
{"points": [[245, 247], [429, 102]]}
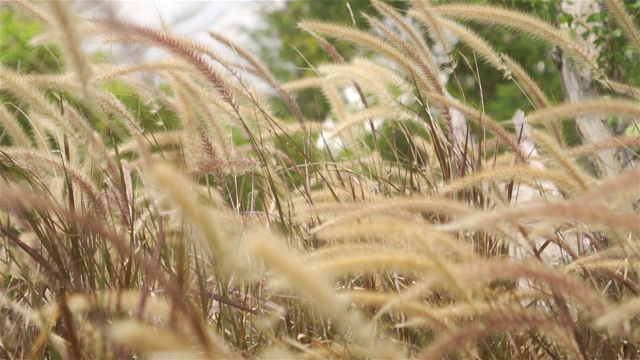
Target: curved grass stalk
{"points": [[519, 21], [617, 107], [500, 62], [112, 73], [626, 22], [416, 38], [18, 136], [265, 74], [522, 173], [558, 211], [209, 106], [620, 88], [481, 120], [181, 47], [395, 234], [366, 40], [18, 85], [71, 40], [486, 52]]}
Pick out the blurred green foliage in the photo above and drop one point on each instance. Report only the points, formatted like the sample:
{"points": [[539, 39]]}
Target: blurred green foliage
{"points": [[298, 52], [16, 50], [291, 53]]}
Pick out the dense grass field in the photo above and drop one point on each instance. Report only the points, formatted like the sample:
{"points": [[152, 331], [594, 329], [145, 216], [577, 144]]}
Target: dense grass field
{"points": [[189, 206]]}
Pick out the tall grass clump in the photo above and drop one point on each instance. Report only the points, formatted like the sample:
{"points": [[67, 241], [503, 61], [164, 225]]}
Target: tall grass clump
{"points": [[184, 217]]}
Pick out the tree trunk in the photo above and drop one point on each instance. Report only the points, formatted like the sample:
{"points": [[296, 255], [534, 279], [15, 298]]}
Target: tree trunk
{"points": [[578, 86]]}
